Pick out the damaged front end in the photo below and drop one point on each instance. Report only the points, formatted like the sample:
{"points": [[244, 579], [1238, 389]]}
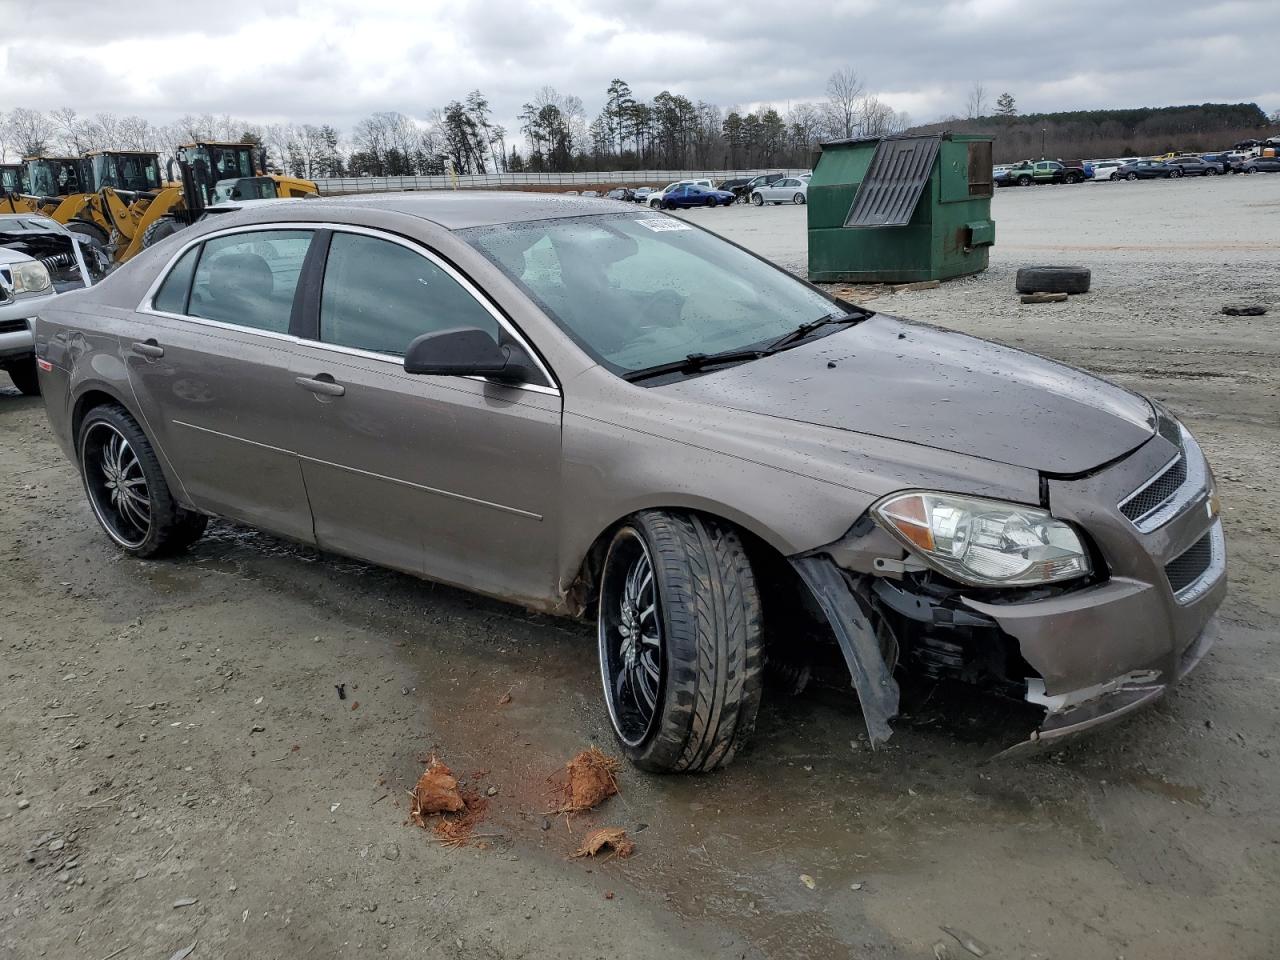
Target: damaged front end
{"points": [[1102, 642], [70, 262]]}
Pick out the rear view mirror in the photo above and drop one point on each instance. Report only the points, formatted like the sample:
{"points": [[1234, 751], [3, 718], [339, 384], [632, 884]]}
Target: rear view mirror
{"points": [[467, 352]]}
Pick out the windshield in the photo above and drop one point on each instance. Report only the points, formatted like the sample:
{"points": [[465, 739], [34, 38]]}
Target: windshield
{"points": [[636, 292]]}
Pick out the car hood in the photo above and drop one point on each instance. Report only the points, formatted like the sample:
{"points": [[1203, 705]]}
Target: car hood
{"points": [[905, 381]]}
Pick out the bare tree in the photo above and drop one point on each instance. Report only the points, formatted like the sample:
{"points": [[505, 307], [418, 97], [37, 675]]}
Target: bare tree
{"points": [[844, 95], [30, 131], [73, 131], [975, 103]]}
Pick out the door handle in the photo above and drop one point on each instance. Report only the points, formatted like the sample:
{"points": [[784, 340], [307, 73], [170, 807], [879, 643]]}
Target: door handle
{"points": [[324, 387], [149, 349]]}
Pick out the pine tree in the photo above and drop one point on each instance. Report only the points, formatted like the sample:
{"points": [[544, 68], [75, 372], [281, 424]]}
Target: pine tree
{"points": [[1006, 106]]}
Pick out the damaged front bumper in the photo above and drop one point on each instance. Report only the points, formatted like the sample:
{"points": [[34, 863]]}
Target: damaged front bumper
{"points": [[1088, 655]]}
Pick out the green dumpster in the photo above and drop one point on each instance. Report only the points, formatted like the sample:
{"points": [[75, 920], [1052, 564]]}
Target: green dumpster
{"points": [[901, 209]]}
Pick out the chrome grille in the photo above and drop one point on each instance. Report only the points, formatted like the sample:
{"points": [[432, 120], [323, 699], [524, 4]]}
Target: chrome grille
{"points": [[1172, 488], [1186, 568], [1163, 486], [1192, 572]]}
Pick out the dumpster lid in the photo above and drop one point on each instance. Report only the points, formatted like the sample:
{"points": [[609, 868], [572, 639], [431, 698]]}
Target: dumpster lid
{"points": [[889, 193]]}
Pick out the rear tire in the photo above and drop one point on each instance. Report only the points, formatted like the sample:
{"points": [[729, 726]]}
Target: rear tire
{"points": [[24, 376], [158, 230], [681, 642], [126, 487]]}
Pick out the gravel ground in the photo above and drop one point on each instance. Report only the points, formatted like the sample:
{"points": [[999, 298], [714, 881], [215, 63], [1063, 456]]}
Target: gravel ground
{"points": [[172, 731]]}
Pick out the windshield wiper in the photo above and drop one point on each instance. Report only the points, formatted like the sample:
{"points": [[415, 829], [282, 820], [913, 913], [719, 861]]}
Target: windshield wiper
{"points": [[802, 331], [695, 362]]}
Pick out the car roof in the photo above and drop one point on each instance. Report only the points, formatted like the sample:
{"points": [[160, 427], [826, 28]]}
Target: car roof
{"points": [[461, 209]]}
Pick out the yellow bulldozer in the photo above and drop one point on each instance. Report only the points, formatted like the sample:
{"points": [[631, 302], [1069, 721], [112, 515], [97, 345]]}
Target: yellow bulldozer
{"points": [[208, 174], [119, 199], [13, 179]]}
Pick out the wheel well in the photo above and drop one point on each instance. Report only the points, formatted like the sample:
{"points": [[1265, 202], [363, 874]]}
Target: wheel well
{"points": [[781, 588], [87, 401]]}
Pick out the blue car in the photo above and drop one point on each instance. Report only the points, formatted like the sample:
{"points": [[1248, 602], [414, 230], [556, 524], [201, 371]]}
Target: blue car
{"points": [[692, 195]]}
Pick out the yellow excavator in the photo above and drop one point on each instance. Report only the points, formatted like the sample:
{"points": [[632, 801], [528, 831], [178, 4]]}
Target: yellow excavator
{"points": [[210, 173]]}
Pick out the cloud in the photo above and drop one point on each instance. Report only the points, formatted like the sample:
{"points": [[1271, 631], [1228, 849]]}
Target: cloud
{"points": [[331, 61]]}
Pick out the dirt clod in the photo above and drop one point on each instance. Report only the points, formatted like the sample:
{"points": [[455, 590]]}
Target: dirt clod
{"points": [[592, 779], [614, 839], [435, 792]]}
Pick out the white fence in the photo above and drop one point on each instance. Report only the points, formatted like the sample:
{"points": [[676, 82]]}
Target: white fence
{"points": [[482, 181]]}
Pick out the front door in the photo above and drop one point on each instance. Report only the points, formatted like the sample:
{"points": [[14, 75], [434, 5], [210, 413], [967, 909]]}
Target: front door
{"points": [[455, 478], [211, 373]]}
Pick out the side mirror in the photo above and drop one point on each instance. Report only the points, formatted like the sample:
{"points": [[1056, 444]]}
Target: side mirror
{"points": [[467, 352]]}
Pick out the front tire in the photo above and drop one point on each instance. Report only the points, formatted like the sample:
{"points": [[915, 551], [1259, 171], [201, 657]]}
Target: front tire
{"points": [[1024, 181], [757, 200], [681, 642], [158, 229], [798, 199], [1131, 176], [23, 374], [126, 487]]}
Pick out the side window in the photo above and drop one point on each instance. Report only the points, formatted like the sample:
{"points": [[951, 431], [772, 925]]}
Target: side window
{"points": [[172, 295], [380, 296], [249, 278]]}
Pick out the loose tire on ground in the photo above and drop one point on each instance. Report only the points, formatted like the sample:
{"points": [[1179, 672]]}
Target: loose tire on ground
{"points": [[23, 374], [169, 527], [158, 230], [710, 655], [1053, 279]]}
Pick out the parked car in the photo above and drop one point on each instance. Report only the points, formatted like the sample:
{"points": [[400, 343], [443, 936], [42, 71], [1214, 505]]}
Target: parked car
{"points": [[1106, 169], [760, 180], [621, 193], [1261, 165], [655, 199], [590, 193], [691, 195], [642, 194], [1040, 171], [735, 185], [786, 190], [1147, 170], [621, 416], [39, 259], [1221, 160], [1194, 166]]}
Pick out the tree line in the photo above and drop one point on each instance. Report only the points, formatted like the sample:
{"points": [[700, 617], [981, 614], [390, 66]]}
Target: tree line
{"points": [[669, 131], [1091, 134]]}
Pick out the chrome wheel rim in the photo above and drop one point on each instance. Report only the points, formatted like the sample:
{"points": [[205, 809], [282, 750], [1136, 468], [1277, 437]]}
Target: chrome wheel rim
{"points": [[629, 626], [116, 485]]}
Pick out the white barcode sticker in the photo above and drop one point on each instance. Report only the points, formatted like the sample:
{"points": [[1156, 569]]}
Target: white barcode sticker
{"points": [[666, 223]]}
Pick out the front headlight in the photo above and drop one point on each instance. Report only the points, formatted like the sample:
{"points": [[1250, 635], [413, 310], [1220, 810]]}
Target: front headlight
{"points": [[984, 543], [30, 277]]}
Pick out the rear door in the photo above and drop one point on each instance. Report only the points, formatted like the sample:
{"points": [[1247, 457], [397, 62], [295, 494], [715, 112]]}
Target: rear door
{"points": [[210, 370], [452, 477]]}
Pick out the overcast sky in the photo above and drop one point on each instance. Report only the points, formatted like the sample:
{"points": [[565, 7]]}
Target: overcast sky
{"points": [[324, 61]]}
